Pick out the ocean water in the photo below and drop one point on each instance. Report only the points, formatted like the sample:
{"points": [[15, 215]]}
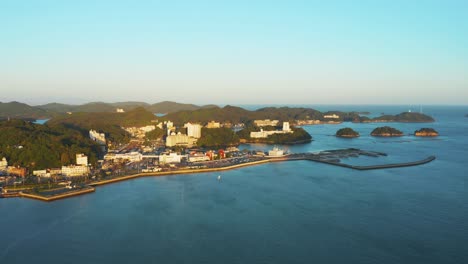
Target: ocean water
{"points": [[291, 212]]}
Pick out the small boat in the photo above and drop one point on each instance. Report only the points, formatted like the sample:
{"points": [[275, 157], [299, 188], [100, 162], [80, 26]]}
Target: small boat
{"points": [[219, 177]]}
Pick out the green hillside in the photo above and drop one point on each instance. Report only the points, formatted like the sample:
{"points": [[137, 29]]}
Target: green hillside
{"points": [[23, 111], [42, 146], [109, 123]]}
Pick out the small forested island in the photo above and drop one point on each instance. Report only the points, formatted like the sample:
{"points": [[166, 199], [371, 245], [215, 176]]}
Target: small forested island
{"points": [[386, 131], [426, 132], [347, 132]]}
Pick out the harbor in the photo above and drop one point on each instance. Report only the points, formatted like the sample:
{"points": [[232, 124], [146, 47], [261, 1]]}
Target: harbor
{"points": [[330, 157]]}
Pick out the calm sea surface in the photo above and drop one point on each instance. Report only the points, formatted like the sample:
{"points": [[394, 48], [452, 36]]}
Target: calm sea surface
{"points": [[292, 212]]}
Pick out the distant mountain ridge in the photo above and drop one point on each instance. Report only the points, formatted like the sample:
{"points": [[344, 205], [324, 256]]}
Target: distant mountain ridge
{"points": [[20, 110], [24, 111], [161, 107], [182, 113]]}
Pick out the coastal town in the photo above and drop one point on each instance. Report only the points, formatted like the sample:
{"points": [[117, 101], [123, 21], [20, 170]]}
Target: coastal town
{"points": [[164, 148], [176, 150]]}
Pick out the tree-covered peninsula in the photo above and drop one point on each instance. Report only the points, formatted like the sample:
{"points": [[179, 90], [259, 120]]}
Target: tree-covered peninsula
{"points": [[298, 136], [405, 117]]}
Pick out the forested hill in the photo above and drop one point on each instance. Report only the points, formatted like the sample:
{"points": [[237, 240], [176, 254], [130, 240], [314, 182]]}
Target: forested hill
{"points": [[20, 110], [109, 123], [42, 146], [405, 117], [25, 111], [235, 114]]}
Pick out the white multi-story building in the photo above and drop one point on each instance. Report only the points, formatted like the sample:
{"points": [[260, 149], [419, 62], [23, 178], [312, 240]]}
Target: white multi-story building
{"points": [[169, 124], [170, 158], [276, 152], [81, 159], [193, 130], [120, 110], [264, 134], [3, 165], [266, 122], [286, 127], [72, 171], [261, 134], [177, 140], [98, 137], [132, 156]]}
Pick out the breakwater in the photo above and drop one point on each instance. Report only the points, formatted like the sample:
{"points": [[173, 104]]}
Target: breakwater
{"points": [[382, 166]]}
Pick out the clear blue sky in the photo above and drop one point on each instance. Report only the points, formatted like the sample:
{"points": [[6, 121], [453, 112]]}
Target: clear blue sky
{"points": [[236, 52]]}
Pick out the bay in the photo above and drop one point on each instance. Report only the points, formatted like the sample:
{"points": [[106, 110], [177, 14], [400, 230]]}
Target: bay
{"points": [[292, 212]]}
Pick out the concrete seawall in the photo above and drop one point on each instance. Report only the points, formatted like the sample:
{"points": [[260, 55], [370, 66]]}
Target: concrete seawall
{"points": [[57, 197], [165, 173]]}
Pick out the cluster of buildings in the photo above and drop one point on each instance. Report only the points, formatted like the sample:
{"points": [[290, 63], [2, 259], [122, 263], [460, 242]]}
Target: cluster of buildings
{"points": [[11, 170], [80, 169], [139, 132], [179, 139], [264, 134]]}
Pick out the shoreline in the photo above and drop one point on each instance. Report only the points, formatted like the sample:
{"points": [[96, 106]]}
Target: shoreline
{"points": [[91, 187]]}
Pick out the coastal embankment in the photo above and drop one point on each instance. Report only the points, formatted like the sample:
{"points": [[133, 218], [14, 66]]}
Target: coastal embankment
{"points": [[331, 157], [176, 172], [50, 198]]}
